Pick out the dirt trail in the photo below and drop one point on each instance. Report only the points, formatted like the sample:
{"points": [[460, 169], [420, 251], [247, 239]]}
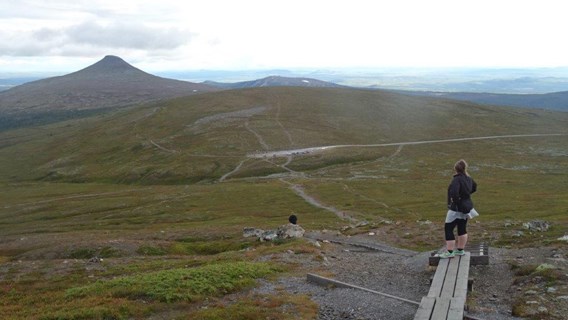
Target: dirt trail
{"points": [[316, 203], [286, 153]]}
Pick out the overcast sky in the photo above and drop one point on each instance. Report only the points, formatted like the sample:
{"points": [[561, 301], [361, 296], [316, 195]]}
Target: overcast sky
{"points": [[159, 35]]}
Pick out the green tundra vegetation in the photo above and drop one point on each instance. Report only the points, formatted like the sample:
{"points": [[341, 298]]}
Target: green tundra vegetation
{"points": [[160, 193]]}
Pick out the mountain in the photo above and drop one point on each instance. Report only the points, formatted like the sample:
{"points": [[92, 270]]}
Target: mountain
{"points": [[554, 101], [275, 81], [109, 83]]}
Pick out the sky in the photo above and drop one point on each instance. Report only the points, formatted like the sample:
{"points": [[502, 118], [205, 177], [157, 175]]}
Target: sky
{"points": [[61, 35]]}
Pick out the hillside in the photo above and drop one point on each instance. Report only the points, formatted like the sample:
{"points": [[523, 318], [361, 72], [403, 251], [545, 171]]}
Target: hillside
{"points": [[204, 137], [109, 83], [553, 101], [275, 81]]}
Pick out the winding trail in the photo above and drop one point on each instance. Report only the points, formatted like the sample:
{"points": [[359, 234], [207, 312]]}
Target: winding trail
{"points": [[226, 175], [162, 148], [300, 192], [286, 132], [258, 136]]}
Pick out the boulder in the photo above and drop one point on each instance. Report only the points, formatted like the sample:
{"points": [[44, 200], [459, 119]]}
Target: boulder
{"points": [[290, 231]]}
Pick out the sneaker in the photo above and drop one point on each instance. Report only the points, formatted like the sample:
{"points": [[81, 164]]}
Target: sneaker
{"points": [[459, 252], [447, 254]]}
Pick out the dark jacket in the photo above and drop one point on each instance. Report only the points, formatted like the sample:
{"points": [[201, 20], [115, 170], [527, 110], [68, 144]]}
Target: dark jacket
{"points": [[459, 193]]}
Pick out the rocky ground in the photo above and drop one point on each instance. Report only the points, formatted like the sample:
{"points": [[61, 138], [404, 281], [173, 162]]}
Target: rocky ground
{"points": [[510, 284]]}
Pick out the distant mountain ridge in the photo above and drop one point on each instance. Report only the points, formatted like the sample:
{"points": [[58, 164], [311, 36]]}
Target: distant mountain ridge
{"points": [[275, 81], [554, 100], [111, 82]]}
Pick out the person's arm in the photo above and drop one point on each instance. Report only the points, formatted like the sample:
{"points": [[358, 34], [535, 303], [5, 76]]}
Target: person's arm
{"points": [[454, 194]]}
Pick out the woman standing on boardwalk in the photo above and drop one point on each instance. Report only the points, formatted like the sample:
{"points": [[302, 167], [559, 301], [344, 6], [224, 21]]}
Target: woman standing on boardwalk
{"points": [[460, 209]]}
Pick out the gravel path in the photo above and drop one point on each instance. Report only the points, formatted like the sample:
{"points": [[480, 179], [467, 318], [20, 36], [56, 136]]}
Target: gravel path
{"points": [[398, 272]]}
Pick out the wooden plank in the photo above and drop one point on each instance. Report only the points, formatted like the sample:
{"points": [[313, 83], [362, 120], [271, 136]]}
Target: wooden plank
{"points": [[462, 276], [441, 308], [450, 281], [327, 282], [456, 311], [425, 309], [439, 277], [479, 254]]}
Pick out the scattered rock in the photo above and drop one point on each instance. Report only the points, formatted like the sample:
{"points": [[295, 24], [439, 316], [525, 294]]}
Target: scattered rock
{"points": [[268, 235], [564, 238], [362, 224], [290, 231], [530, 293], [283, 232], [518, 234], [537, 225], [371, 233], [542, 310], [544, 266], [252, 232], [426, 222], [551, 290], [95, 260]]}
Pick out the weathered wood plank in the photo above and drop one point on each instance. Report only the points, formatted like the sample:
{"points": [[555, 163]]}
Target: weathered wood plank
{"points": [[439, 278], [451, 275], [441, 308], [456, 311], [462, 276], [425, 309], [326, 282]]}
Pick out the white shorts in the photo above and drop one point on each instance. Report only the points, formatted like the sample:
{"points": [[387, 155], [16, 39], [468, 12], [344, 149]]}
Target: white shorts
{"points": [[453, 215]]}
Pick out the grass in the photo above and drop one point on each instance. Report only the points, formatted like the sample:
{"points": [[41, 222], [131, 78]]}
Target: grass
{"points": [[282, 306], [191, 284]]}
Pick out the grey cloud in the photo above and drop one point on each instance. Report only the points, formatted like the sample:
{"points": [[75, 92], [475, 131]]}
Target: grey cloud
{"points": [[121, 35], [93, 37]]}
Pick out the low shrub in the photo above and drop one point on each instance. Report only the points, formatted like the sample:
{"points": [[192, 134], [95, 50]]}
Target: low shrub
{"points": [[191, 284]]}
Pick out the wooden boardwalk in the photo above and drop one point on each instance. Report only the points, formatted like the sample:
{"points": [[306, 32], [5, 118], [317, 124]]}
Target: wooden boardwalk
{"points": [[479, 254], [448, 292]]}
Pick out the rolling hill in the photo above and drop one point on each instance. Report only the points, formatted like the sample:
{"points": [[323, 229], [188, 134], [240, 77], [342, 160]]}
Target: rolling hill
{"points": [[203, 137], [109, 83]]}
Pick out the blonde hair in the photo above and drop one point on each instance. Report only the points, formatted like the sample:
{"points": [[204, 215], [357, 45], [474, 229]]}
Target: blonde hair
{"points": [[461, 167]]}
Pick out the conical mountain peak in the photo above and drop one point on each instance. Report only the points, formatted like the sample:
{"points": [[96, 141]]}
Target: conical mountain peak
{"points": [[110, 64]]}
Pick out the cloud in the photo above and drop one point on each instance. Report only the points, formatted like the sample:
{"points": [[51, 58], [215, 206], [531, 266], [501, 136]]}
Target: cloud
{"points": [[92, 38], [130, 36]]}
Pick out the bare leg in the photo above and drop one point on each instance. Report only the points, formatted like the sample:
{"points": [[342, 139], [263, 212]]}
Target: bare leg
{"points": [[451, 244], [462, 241]]}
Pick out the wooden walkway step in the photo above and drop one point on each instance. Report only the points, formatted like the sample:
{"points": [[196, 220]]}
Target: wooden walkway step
{"points": [[448, 292], [479, 254]]}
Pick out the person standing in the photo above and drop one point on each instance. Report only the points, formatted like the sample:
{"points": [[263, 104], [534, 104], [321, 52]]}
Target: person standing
{"points": [[460, 210]]}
